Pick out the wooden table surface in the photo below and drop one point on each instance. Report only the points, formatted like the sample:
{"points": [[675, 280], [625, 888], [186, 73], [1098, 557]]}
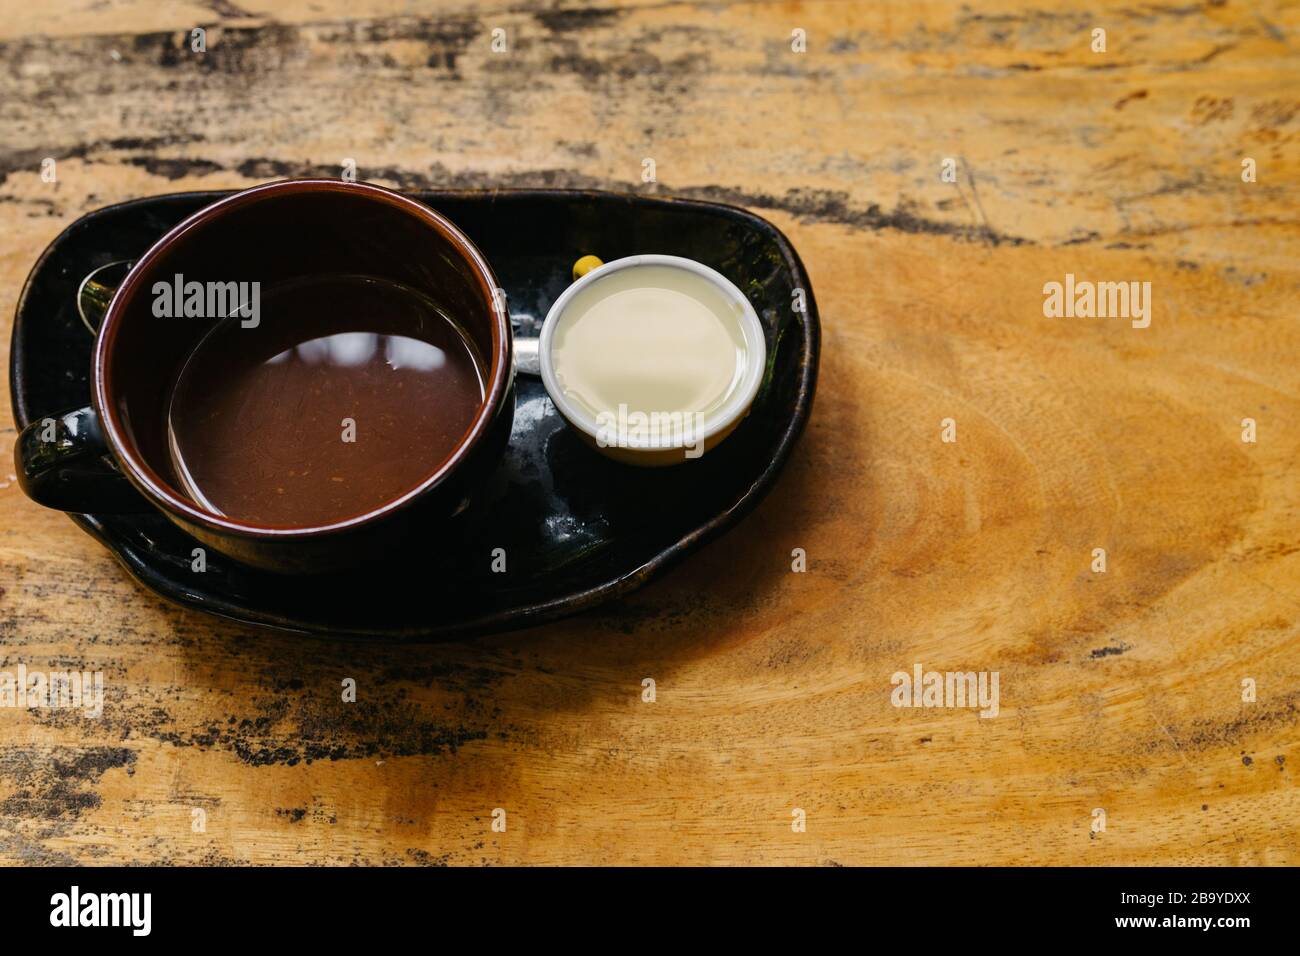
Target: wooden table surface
{"points": [[1120, 691]]}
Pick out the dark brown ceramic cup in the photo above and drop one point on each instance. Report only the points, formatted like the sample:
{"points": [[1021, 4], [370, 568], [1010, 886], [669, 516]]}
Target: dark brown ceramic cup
{"points": [[113, 457]]}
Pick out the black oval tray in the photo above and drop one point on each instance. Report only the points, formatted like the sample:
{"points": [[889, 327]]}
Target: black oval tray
{"points": [[576, 527]]}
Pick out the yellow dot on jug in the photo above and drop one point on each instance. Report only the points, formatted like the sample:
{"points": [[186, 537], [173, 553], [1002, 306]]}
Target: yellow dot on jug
{"points": [[585, 265]]}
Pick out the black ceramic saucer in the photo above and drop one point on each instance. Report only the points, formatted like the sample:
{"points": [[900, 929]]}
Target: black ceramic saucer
{"points": [[577, 528]]}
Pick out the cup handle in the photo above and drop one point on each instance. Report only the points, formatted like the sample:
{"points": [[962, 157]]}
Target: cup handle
{"points": [[528, 359], [62, 462]]}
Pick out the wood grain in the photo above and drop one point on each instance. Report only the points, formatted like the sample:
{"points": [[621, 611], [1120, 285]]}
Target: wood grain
{"points": [[1119, 690]]}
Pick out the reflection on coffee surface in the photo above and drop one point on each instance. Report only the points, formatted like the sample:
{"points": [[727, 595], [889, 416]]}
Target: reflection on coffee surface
{"points": [[349, 393]]}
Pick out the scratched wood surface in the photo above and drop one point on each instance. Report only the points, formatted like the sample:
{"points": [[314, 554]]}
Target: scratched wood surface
{"points": [[1119, 691]]}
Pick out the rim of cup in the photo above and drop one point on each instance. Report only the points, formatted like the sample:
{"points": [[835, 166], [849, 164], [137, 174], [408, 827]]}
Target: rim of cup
{"points": [[742, 395]]}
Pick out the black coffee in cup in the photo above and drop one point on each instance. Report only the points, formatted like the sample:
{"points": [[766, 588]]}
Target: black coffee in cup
{"points": [[347, 392]]}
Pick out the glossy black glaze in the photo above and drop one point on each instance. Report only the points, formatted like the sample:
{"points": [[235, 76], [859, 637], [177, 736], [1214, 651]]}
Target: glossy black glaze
{"points": [[63, 462], [576, 527]]}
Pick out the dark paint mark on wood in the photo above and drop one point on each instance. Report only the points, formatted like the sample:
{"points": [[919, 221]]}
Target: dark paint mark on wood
{"points": [[1125, 100], [54, 783], [564, 21], [175, 168], [1108, 651]]}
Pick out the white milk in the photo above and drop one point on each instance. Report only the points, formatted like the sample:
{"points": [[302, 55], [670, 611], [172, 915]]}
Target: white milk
{"points": [[652, 338]]}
